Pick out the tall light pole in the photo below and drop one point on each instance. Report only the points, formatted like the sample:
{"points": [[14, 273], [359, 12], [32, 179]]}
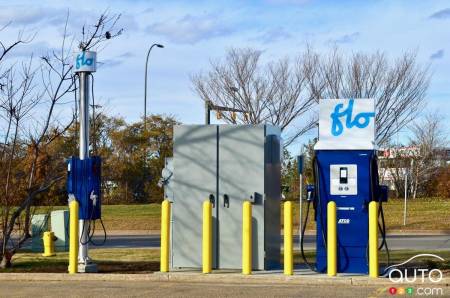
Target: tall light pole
{"points": [[145, 88], [145, 107]]}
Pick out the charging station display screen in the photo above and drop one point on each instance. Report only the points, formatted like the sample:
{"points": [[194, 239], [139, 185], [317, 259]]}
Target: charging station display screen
{"points": [[343, 179]]}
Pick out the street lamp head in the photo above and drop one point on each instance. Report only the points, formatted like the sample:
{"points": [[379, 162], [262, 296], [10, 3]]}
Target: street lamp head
{"points": [[159, 45]]}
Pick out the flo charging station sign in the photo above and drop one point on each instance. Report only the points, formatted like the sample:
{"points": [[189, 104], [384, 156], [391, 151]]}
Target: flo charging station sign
{"points": [[85, 61], [346, 124]]}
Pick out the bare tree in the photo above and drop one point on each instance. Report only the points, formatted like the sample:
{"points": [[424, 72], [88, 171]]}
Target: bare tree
{"points": [[5, 48], [431, 139], [16, 101], [398, 87], [421, 161], [275, 92], [282, 92], [101, 31], [24, 159]]}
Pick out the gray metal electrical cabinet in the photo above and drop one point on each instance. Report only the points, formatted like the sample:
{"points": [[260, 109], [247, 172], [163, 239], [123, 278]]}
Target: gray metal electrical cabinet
{"points": [[59, 220], [39, 225], [226, 164]]}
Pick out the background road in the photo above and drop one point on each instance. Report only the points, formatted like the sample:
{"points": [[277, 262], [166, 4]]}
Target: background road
{"points": [[395, 242]]}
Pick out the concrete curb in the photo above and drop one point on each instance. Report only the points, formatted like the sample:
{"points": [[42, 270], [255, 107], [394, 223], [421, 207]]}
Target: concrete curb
{"points": [[418, 232], [222, 278], [237, 278], [308, 232], [128, 232]]}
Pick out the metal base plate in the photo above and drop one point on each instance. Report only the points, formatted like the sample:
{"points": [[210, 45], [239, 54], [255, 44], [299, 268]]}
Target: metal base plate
{"points": [[89, 268]]}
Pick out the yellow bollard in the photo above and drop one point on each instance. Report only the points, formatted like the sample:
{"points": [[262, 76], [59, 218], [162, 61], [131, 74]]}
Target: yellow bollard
{"points": [[288, 247], [207, 237], [73, 241], [247, 238], [165, 236], [49, 244], [373, 239], [331, 239]]}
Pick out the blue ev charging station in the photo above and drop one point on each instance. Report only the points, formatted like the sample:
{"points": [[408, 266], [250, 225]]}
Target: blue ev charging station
{"points": [[84, 172], [84, 182], [345, 171]]}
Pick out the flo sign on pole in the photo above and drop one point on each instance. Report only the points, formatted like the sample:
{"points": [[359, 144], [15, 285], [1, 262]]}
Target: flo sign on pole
{"points": [[85, 61], [346, 124]]}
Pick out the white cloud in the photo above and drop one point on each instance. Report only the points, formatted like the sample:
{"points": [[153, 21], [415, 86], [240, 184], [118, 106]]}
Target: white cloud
{"points": [[35, 48], [39, 18], [346, 38], [118, 60], [29, 15], [191, 29], [273, 35], [441, 14], [437, 55], [294, 2]]}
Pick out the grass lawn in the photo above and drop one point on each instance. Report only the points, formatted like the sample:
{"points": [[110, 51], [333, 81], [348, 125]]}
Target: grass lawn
{"points": [[147, 260], [428, 214], [108, 261], [422, 214], [125, 217], [132, 217]]}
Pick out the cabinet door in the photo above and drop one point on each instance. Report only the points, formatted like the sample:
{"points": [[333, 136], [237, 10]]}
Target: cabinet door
{"points": [[241, 177], [194, 180]]}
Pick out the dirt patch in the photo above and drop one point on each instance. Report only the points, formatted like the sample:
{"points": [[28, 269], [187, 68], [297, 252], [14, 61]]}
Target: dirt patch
{"points": [[128, 267]]}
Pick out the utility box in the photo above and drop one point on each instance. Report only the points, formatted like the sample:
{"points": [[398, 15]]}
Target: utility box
{"points": [[226, 164], [39, 225], [60, 227]]}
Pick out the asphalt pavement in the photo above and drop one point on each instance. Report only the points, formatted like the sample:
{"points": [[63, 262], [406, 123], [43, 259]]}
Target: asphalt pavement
{"points": [[395, 242], [188, 283], [179, 289]]}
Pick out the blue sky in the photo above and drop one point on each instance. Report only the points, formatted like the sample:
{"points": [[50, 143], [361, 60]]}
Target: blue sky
{"points": [[194, 32]]}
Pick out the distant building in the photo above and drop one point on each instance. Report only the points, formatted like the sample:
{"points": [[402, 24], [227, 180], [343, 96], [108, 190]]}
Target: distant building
{"points": [[400, 152], [389, 168], [442, 154]]}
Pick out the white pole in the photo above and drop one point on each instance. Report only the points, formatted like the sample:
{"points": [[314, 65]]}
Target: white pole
{"points": [[84, 153], [406, 194]]}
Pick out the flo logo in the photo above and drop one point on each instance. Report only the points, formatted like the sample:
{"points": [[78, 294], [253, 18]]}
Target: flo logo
{"points": [[361, 120], [82, 61]]}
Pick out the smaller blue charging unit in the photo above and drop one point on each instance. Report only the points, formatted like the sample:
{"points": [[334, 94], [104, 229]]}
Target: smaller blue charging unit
{"points": [[84, 182]]}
